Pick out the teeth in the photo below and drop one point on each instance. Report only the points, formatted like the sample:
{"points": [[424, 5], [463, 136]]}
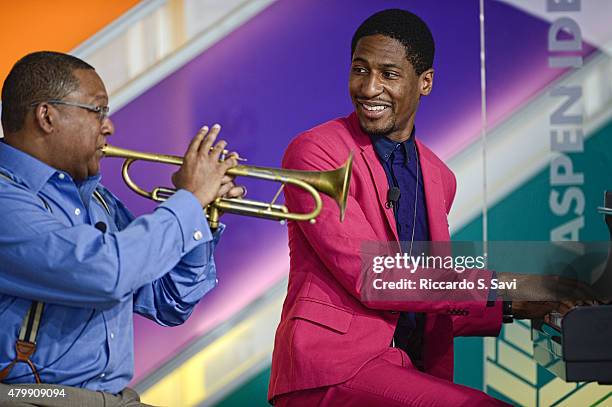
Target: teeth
{"points": [[374, 108]]}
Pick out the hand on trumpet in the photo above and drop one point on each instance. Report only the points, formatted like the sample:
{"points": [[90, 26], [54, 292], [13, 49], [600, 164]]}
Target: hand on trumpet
{"points": [[203, 173], [229, 189]]}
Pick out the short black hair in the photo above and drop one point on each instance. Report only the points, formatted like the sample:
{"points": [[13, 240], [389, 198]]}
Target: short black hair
{"points": [[37, 77], [404, 27]]}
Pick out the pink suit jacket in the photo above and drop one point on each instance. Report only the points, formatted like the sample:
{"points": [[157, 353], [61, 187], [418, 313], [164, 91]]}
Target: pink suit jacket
{"points": [[327, 332]]}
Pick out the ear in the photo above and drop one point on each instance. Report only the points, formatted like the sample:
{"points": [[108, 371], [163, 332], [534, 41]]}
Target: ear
{"points": [[45, 117], [426, 82]]}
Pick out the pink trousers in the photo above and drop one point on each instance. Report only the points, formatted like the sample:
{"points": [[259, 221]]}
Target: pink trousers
{"points": [[390, 380]]}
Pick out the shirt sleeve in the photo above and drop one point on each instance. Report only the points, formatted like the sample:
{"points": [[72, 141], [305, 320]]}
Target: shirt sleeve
{"points": [[43, 259], [170, 299]]}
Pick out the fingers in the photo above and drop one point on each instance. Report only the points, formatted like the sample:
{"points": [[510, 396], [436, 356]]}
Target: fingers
{"points": [[230, 162], [209, 140], [236, 192], [584, 294], [235, 155], [565, 306], [194, 146], [230, 190], [224, 189], [204, 144]]}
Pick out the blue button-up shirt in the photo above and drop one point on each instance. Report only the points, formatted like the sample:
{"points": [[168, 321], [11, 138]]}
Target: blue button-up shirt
{"points": [[158, 265]]}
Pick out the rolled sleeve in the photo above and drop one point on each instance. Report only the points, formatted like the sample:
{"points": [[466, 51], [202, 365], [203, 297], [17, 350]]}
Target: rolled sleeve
{"points": [[203, 254]]}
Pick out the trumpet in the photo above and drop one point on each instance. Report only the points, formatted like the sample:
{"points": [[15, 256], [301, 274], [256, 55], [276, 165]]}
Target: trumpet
{"points": [[334, 183]]}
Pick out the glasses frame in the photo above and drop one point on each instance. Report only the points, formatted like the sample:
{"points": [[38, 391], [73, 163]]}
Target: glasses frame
{"points": [[102, 111]]}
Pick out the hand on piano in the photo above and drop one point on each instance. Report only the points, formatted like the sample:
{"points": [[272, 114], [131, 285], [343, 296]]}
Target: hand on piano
{"points": [[544, 309], [538, 295]]}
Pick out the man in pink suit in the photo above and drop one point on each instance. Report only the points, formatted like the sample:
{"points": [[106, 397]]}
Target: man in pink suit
{"points": [[333, 347]]}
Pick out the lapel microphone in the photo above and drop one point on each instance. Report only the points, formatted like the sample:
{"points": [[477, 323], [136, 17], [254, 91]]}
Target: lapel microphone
{"points": [[393, 196]]}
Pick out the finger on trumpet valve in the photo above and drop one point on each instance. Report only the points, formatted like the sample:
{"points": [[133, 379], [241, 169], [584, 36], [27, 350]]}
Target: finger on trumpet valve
{"points": [[226, 153]]}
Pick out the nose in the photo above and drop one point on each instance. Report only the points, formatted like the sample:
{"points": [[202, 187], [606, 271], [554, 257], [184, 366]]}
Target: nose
{"points": [[371, 86], [107, 128]]}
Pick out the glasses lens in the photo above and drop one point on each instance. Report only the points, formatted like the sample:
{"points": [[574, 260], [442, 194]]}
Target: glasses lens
{"points": [[104, 112]]}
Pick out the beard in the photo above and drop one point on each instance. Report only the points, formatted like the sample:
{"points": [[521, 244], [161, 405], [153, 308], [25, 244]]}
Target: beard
{"points": [[376, 129]]}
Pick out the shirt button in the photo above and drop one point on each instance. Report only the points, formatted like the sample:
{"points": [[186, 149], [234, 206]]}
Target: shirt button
{"points": [[112, 335], [103, 375], [197, 235], [61, 176], [216, 281], [77, 211]]}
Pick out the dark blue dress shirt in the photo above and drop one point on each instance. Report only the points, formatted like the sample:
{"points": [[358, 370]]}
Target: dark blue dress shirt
{"points": [[401, 164]]}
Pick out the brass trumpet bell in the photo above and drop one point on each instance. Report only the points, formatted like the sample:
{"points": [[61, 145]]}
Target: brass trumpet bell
{"points": [[334, 183]]}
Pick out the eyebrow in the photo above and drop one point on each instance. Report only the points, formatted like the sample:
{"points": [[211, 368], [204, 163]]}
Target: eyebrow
{"points": [[388, 65], [359, 59], [101, 98], [391, 66]]}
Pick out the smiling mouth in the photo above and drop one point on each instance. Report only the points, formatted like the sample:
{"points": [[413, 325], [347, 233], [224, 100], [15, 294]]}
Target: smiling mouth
{"points": [[373, 110]]}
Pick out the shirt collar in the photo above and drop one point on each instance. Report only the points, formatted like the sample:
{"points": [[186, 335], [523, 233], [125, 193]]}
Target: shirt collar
{"points": [[385, 147], [30, 171]]}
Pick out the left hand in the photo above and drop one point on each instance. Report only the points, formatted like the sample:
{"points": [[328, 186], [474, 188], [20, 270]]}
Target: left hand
{"points": [[542, 294], [229, 190], [535, 309]]}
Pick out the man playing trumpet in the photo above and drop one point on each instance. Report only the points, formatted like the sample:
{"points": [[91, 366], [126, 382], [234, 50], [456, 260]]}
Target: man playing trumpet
{"points": [[74, 262]]}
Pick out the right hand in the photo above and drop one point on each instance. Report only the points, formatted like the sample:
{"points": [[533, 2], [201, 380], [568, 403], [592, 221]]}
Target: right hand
{"points": [[542, 309], [202, 173], [539, 295]]}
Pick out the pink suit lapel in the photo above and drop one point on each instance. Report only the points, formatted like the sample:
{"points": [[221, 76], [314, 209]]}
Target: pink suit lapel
{"points": [[380, 182], [376, 170]]}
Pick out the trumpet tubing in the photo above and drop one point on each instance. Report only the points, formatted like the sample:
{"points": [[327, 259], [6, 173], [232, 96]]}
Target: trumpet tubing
{"points": [[334, 183]]}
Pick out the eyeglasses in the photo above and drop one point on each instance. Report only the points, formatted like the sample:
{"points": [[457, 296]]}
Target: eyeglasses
{"points": [[102, 111]]}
